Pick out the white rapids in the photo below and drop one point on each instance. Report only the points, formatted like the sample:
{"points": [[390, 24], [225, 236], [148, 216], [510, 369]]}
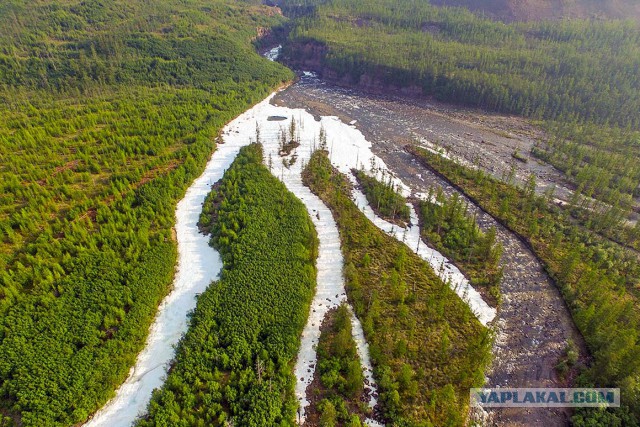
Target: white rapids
{"points": [[274, 53]]}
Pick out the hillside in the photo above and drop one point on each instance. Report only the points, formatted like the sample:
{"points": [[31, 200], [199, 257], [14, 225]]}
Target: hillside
{"points": [[537, 10], [565, 71], [109, 111]]}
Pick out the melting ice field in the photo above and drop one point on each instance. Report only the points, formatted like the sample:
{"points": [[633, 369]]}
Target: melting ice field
{"points": [[199, 264]]}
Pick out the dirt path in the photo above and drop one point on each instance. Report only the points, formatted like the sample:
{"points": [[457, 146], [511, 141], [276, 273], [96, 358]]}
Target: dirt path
{"points": [[534, 325]]}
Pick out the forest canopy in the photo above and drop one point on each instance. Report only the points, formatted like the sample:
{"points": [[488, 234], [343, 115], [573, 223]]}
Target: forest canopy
{"points": [[569, 70]]}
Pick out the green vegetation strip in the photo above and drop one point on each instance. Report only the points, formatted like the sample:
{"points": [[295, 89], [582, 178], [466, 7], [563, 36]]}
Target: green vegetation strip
{"points": [[109, 111], [235, 363], [426, 346], [339, 394], [446, 224], [383, 197], [597, 280]]}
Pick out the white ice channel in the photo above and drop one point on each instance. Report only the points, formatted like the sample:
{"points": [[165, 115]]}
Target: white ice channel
{"points": [[199, 264]]}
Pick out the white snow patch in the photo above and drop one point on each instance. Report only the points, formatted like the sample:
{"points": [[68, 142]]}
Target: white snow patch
{"points": [[443, 152], [560, 202]]}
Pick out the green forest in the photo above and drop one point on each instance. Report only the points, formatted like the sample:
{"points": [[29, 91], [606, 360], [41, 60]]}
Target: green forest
{"points": [[578, 81], [598, 279], [426, 346], [602, 164], [235, 364], [569, 70], [340, 392], [446, 224], [109, 111]]}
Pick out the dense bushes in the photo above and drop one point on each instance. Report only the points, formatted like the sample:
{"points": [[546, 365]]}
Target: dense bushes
{"points": [[110, 110], [426, 345], [235, 362]]}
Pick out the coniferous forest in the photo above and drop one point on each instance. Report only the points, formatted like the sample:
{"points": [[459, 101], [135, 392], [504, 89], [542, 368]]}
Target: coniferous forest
{"points": [[339, 395], [577, 78], [109, 111], [598, 279]]}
